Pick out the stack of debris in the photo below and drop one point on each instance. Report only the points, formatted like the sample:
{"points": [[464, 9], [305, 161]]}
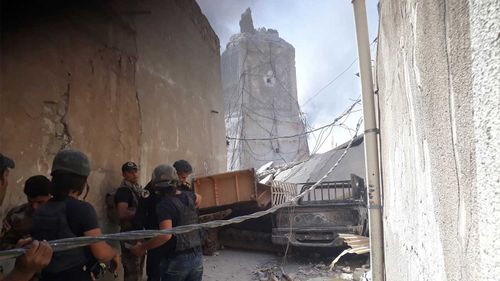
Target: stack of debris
{"points": [[313, 272]]}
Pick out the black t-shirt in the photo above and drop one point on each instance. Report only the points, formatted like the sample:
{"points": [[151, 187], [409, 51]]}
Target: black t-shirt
{"points": [[124, 195], [166, 210], [82, 217]]}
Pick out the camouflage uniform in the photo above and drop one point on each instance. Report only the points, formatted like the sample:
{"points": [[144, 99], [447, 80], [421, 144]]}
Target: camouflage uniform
{"points": [[132, 265], [16, 225]]}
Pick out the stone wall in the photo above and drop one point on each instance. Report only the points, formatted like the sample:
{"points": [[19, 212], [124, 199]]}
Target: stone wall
{"points": [[179, 87], [136, 81], [260, 98], [439, 115]]}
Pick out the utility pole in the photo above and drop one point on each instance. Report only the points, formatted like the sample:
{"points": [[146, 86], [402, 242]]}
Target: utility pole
{"points": [[371, 143]]}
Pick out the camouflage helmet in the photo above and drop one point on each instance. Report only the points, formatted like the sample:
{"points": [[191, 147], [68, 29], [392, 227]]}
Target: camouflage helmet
{"points": [[164, 175], [71, 161]]}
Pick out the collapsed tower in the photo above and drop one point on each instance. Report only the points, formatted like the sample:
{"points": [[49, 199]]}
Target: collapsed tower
{"points": [[263, 118]]}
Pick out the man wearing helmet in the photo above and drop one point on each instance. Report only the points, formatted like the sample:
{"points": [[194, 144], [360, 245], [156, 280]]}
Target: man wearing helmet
{"points": [[65, 216], [180, 254]]}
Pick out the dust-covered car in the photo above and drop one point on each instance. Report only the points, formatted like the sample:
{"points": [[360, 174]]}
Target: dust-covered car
{"points": [[331, 208]]}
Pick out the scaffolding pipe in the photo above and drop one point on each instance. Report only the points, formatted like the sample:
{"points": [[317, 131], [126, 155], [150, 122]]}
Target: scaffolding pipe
{"points": [[371, 143]]}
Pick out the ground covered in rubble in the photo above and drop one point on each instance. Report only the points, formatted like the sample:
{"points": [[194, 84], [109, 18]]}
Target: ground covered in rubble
{"points": [[241, 265]]}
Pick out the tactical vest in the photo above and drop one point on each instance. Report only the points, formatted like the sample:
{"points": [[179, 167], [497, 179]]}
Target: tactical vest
{"points": [[111, 206], [50, 222], [187, 215], [145, 215], [127, 225], [135, 196]]}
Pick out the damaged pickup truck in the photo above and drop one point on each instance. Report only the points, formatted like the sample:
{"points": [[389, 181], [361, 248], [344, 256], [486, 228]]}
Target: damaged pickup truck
{"points": [[322, 214]]}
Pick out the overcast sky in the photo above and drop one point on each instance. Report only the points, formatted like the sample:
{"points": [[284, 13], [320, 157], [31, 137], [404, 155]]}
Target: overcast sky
{"points": [[323, 34]]}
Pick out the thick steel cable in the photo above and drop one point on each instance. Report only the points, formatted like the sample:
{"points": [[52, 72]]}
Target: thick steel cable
{"points": [[71, 243]]}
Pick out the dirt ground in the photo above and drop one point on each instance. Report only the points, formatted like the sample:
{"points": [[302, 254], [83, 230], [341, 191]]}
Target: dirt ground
{"points": [[242, 265]]}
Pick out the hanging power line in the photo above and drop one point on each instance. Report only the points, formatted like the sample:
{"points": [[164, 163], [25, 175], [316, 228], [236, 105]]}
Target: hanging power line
{"points": [[334, 79], [329, 83], [301, 134]]}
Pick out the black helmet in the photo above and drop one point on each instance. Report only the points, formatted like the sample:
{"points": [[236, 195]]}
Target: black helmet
{"points": [[71, 161]]}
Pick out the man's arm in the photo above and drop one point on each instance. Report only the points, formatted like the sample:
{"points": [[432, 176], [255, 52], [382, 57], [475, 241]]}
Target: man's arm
{"points": [[197, 201], [8, 237], [122, 198], [123, 212], [15, 227], [140, 249], [35, 259]]}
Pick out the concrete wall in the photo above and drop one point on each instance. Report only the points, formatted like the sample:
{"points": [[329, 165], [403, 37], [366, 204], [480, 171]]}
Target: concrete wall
{"points": [[437, 74], [485, 49], [135, 81], [179, 87], [260, 96]]}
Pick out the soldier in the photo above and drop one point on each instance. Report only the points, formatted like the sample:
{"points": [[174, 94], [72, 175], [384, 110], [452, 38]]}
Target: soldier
{"points": [[126, 200], [17, 223], [65, 216], [183, 169], [147, 211], [39, 254], [181, 257]]}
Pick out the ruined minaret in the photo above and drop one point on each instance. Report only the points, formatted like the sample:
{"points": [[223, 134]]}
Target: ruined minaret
{"points": [[260, 99]]}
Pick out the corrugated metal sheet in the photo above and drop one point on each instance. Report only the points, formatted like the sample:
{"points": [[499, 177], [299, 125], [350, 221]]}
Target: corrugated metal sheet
{"points": [[358, 245]]}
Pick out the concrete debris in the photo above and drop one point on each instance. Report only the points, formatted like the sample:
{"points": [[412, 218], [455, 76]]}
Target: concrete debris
{"points": [[263, 276], [346, 276], [346, 269], [267, 179], [367, 276], [264, 167], [360, 273], [311, 272]]}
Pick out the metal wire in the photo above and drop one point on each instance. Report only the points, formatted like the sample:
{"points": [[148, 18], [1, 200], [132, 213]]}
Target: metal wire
{"points": [[71, 243], [304, 133]]}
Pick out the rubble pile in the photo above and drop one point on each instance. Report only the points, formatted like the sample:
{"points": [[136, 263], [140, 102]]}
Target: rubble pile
{"points": [[312, 272]]}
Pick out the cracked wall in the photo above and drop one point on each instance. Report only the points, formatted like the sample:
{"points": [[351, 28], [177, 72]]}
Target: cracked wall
{"points": [[68, 80], [135, 81], [426, 76]]}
